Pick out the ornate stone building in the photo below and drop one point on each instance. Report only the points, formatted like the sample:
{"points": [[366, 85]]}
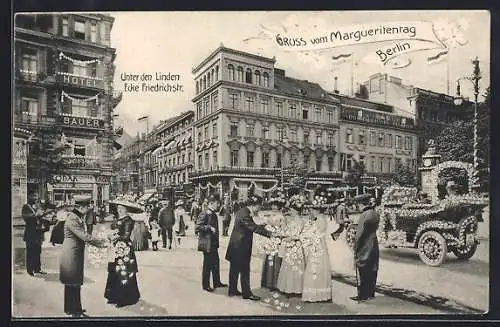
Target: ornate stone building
{"points": [[64, 88], [251, 120]]}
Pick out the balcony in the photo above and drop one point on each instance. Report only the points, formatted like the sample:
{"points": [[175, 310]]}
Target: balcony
{"points": [[90, 82], [372, 118], [28, 75], [81, 162]]}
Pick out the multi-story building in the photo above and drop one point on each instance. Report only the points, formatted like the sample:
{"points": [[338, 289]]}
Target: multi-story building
{"points": [[64, 87], [251, 120], [126, 168], [370, 133], [431, 111]]}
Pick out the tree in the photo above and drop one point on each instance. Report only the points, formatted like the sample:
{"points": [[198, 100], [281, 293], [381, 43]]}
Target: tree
{"points": [[404, 175], [354, 174]]}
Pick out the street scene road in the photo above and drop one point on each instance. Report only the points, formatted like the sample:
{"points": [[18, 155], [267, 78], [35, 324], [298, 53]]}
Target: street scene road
{"points": [[170, 285]]}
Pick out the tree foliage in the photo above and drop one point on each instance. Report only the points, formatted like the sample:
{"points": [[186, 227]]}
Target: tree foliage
{"points": [[404, 175], [354, 174]]}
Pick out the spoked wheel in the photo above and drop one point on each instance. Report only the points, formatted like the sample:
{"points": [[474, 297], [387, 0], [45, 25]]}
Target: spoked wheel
{"points": [[350, 234], [432, 248]]}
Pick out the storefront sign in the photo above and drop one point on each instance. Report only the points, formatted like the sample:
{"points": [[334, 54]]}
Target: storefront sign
{"points": [[81, 122], [73, 179], [65, 186], [102, 179], [80, 81]]}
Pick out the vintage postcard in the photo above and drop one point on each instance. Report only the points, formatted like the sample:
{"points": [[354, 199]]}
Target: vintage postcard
{"points": [[250, 163]]}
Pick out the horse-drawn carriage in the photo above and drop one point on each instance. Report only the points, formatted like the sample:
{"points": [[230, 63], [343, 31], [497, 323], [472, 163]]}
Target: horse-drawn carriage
{"points": [[436, 227]]}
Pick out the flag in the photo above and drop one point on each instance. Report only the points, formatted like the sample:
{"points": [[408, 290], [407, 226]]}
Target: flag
{"points": [[342, 57], [438, 57]]}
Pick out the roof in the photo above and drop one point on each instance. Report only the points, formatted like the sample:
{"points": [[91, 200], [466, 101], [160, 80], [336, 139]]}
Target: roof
{"points": [[298, 87]]}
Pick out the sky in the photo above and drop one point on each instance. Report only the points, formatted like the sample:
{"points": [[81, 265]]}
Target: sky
{"points": [[175, 42]]}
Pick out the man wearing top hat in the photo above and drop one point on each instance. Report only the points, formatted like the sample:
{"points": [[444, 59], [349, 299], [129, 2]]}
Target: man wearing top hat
{"points": [[207, 227], [239, 249], [71, 264], [33, 234], [166, 220], [366, 250]]}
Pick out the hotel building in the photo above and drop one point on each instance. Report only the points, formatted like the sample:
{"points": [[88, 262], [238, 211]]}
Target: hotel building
{"points": [[63, 88]]}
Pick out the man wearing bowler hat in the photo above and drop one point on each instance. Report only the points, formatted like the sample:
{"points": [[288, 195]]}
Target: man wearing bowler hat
{"points": [[239, 249], [72, 256], [33, 234], [366, 250], [90, 217]]}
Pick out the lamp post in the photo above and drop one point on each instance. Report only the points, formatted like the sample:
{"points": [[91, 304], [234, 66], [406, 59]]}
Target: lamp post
{"points": [[474, 78], [283, 139]]}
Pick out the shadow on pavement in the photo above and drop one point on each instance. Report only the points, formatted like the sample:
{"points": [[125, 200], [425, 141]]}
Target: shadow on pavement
{"points": [[54, 277], [472, 266], [145, 308]]}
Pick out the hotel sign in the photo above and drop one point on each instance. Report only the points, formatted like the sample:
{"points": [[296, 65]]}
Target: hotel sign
{"points": [[87, 122], [80, 81]]}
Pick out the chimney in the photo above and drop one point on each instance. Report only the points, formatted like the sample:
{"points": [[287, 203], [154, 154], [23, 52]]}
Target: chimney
{"points": [[335, 85]]}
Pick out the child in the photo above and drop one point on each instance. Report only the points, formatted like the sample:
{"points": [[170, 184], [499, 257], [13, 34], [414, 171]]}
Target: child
{"points": [[155, 234]]}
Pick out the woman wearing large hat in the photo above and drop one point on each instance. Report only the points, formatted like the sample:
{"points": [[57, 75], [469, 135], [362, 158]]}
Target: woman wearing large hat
{"points": [[180, 215], [121, 286]]}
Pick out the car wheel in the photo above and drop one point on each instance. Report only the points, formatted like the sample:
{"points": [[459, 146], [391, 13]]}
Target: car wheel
{"points": [[432, 248], [465, 253]]}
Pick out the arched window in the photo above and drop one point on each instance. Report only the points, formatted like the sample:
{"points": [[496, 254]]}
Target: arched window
{"points": [[240, 74], [248, 76], [214, 78], [266, 79], [216, 73], [208, 79], [204, 82], [197, 87], [257, 77], [230, 69]]}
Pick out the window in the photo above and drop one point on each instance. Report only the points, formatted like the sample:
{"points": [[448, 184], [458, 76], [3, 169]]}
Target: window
{"points": [[214, 128], [234, 100], [266, 79], [206, 106], [265, 132], [240, 74], [408, 143], [349, 162], [265, 159], [362, 160], [399, 143], [79, 108], [248, 76], [250, 130], [249, 103], [329, 116], [389, 165], [318, 164], [29, 109], [306, 137], [362, 137], [206, 160], [215, 158], [208, 80], [331, 163], [348, 136], [381, 140], [388, 140], [278, 160], [292, 111], [200, 161], [307, 158], [79, 30], [381, 164], [319, 114], [293, 135], [265, 106], [79, 149], [215, 102], [257, 77], [318, 138], [280, 133], [189, 156], [199, 110], [250, 157], [216, 76], [330, 139], [305, 113], [200, 138], [65, 27], [79, 69], [206, 132], [373, 141], [183, 158], [230, 70], [204, 81], [233, 129], [93, 32], [279, 108], [29, 61]]}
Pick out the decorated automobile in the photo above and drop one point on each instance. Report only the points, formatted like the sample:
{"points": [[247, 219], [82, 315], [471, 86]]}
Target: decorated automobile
{"points": [[437, 228]]}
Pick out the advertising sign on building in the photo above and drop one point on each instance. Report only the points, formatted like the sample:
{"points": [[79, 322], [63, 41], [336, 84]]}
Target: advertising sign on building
{"points": [[74, 121]]}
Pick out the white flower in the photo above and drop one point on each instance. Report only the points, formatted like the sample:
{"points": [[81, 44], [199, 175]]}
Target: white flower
{"points": [[267, 300], [276, 295]]}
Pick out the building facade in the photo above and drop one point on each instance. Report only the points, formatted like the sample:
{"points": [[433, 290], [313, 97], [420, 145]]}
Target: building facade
{"points": [[370, 133], [64, 89], [251, 120], [126, 168]]}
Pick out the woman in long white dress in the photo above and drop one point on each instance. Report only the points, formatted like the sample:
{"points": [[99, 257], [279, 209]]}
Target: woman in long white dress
{"points": [[180, 220], [139, 237], [317, 274]]}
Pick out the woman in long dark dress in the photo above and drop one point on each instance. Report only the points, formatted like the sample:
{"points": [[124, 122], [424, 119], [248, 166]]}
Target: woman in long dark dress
{"points": [[121, 285], [272, 262]]}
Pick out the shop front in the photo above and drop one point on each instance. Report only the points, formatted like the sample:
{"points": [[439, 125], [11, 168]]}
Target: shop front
{"points": [[19, 171], [67, 187]]}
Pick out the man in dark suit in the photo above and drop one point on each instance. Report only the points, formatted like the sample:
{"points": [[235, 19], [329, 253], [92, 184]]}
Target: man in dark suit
{"points": [[239, 249], [166, 220], [90, 218], [207, 227], [366, 251], [33, 234]]}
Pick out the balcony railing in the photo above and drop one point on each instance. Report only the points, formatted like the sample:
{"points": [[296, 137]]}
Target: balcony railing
{"points": [[88, 162], [26, 117], [28, 75], [377, 118], [80, 81]]}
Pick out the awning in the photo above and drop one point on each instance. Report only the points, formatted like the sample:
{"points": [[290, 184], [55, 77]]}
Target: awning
{"points": [[146, 196], [170, 145], [155, 152]]}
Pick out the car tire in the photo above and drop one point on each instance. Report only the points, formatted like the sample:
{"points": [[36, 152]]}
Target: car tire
{"points": [[432, 248]]}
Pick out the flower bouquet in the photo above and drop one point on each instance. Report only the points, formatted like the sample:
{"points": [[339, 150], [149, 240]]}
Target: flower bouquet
{"points": [[98, 256]]}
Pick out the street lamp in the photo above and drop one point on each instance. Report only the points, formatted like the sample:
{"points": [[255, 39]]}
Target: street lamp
{"points": [[476, 76], [283, 139]]}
